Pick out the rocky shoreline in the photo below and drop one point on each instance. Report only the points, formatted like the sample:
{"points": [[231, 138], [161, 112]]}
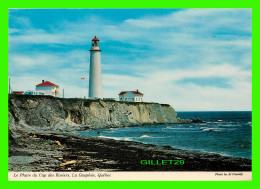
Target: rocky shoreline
{"points": [[41, 138], [39, 151]]}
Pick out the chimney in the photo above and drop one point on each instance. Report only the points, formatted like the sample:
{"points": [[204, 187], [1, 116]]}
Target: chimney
{"points": [[42, 81], [137, 90]]}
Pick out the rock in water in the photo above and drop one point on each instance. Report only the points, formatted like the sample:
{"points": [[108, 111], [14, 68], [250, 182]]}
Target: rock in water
{"points": [[197, 120]]}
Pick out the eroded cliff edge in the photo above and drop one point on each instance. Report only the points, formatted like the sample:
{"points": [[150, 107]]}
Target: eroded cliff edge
{"points": [[46, 112]]}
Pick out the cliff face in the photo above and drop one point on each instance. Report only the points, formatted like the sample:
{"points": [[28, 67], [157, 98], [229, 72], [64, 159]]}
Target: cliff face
{"points": [[58, 113]]}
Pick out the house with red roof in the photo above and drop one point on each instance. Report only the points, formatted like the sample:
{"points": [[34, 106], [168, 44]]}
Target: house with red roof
{"points": [[131, 96], [48, 88], [17, 92]]}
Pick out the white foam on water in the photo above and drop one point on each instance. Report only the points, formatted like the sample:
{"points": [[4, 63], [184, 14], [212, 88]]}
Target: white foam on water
{"points": [[125, 138], [218, 130], [182, 128], [229, 125], [145, 136], [212, 122], [117, 138], [210, 129], [214, 129]]}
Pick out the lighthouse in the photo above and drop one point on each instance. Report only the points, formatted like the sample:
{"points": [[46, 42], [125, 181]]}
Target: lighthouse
{"points": [[95, 76]]}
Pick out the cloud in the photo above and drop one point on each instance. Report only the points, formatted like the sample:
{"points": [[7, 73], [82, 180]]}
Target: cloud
{"points": [[20, 21], [196, 19], [164, 87]]}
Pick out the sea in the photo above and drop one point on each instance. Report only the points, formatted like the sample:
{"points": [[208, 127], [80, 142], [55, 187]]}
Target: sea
{"points": [[227, 133]]}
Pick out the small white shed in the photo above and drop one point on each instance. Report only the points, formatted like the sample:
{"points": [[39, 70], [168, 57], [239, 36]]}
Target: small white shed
{"points": [[131, 96], [48, 88]]}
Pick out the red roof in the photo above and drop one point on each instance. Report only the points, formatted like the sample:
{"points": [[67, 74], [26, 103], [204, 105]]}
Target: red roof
{"points": [[46, 83], [17, 92], [137, 93], [95, 39], [122, 93], [134, 92]]}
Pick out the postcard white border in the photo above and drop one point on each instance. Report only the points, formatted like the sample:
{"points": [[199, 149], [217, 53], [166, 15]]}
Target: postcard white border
{"points": [[130, 176]]}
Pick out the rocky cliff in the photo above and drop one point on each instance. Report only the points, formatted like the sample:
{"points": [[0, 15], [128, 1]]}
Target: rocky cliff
{"points": [[46, 112]]}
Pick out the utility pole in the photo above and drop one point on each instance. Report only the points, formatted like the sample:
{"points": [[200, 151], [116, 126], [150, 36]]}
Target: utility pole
{"points": [[9, 90], [83, 78]]}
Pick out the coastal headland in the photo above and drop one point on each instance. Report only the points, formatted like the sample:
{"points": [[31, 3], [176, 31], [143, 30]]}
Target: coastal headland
{"points": [[47, 112], [41, 138]]}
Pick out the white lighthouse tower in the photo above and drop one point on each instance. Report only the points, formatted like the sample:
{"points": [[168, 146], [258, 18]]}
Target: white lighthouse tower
{"points": [[95, 77]]}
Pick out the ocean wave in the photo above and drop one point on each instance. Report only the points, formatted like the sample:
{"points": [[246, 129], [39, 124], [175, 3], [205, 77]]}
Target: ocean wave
{"points": [[213, 122], [213, 129], [207, 129], [117, 138], [145, 136], [228, 125], [182, 128], [219, 129]]}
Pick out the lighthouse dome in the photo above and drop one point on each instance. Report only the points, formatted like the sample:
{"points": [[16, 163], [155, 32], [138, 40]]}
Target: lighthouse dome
{"points": [[95, 39]]}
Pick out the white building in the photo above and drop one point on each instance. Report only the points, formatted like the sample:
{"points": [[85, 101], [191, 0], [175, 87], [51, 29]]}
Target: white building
{"points": [[131, 96], [48, 88], [95, 76], [30, 92]]}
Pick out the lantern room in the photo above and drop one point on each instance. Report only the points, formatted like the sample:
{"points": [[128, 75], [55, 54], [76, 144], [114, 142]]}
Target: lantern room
{"points": [[95, 43]]}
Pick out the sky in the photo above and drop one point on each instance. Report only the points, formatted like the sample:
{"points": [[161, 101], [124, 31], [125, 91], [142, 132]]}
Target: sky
{"points": [[192, 59]]}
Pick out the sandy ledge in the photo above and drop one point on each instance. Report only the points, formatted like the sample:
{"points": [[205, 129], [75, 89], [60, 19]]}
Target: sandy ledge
{"points": [[31, 151]]}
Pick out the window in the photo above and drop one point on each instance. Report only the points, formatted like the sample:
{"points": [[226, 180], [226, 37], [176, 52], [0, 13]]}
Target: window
{"points": [[95, 43]]}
